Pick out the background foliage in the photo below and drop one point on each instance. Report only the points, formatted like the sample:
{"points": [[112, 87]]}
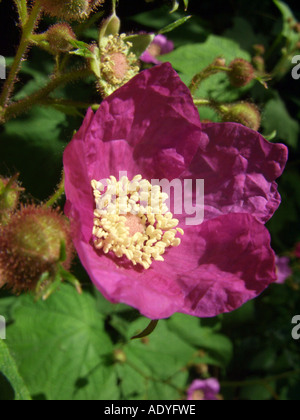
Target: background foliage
{"points": [[79, 347]]}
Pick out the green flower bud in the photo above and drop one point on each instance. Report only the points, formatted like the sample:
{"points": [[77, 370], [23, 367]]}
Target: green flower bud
{"points": [[242, 72], [244, 113], [31, 245], [59, 37]]}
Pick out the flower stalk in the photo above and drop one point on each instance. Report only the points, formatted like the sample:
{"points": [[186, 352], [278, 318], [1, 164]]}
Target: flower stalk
{"points": [[58, 193], [28, 28], [22, 10], [204, 74]]}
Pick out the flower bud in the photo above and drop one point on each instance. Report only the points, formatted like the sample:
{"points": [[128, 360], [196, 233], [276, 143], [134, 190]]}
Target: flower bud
{"points": [[244, 113], [31, 245], [9, 198], [59, 37], [69, 9], [259, 49], [242, 72]]}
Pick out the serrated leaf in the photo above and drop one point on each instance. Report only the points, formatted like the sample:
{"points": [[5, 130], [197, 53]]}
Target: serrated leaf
{"points": [[15, 387], [158, 360], [174, 25], [61, 347]]}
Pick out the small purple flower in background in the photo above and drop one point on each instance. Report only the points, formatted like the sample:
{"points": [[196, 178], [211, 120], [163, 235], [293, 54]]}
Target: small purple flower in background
{"points": [[150, 129], [283, 269], [159, 46], [204, 390]]}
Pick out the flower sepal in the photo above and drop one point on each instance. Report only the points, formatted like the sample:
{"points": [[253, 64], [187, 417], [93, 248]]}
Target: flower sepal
{"points": [[110, 27], [9, 197], [139, 42]]}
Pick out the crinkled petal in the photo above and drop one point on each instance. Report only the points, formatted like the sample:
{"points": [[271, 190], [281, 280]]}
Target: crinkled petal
{"points": [[218, 267], [239, 168], [235, 264]]}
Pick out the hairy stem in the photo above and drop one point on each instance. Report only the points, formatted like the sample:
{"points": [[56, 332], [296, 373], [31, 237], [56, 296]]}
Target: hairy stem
{"points": [[22, 106], [58, 193], [24, 43], [204, 74], [22, 11]]}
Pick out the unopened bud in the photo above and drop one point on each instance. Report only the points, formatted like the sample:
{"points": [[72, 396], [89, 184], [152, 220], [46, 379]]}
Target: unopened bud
{"points": [[9, 197], [244, 113], [69, 9], [259, 49], [119, 356], [31, 245], [59, 37], [242, 72]]}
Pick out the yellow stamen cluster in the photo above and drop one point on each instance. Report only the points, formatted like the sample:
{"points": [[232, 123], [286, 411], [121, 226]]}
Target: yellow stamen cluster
{"points": [[118, 64], [133, 220]]}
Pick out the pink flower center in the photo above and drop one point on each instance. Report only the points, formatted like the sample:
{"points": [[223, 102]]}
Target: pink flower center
{"points": [[132, 220]]}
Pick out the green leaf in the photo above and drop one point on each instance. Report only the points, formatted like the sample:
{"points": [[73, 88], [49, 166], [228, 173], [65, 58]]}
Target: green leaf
{"points": [[192, 332], [12, 385], [33, 145], [61, 347], [192, 59], [276, 117], [158, 361], [174, 25]]}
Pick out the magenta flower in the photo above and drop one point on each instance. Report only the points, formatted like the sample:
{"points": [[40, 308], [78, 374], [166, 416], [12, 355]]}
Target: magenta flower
{"points": [[150, 127], [159, 46], [283, 268], [204, 390]]}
